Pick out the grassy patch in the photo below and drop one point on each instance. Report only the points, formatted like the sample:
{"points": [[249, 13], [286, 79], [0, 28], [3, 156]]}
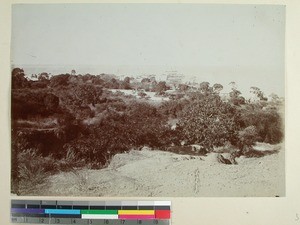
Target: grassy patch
{"points": [[34, 169]]}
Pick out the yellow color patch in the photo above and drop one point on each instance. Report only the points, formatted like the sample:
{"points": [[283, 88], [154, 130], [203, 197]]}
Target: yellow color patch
{"points": [[136, 212]]}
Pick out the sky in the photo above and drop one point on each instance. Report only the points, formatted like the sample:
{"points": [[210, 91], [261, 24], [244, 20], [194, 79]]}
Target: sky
{"points": [[215, 43]]}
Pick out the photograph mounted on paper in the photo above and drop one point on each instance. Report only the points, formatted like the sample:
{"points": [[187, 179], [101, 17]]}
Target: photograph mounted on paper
{"points": [[149, 100]]}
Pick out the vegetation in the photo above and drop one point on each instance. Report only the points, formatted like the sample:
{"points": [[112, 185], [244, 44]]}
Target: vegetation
{"points": [[210, 122], [69, 121]]}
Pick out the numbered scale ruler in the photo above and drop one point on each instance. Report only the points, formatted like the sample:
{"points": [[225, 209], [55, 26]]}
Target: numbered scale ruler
{"points": [[91, 212]]}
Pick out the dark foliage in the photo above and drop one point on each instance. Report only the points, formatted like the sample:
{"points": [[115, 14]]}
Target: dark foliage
{"points": [[69, 121], [18, 79], [268, 123], [210, 122], [28, 103], [173, 108]]}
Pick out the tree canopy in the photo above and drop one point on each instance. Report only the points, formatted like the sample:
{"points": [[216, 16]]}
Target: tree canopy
{"points": [[210, 122]]}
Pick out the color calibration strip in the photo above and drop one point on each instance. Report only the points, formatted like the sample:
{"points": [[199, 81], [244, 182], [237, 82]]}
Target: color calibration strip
{"points": [[91, 212]]}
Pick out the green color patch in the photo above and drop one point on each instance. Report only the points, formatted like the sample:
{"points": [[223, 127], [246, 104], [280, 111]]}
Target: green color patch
{"points": [[99, 211]]}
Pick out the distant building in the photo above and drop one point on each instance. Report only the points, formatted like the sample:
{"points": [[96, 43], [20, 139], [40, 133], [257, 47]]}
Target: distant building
{"points": [[151, 77], [192, 82], [173, 78]]}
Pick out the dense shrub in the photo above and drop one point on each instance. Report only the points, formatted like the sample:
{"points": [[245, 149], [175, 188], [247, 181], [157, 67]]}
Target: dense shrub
{"points": [[210, 122], [120, 128], [60, 80], [30, 103], [32, 170], [173, 108], [247, 137], [18, 79], [73, 121], [268, 123]]}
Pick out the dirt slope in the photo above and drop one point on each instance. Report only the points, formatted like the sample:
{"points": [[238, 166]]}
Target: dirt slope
{"points": [[157, 173]]}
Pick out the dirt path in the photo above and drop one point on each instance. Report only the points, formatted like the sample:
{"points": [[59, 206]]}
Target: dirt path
{"points": [[157, 173]]}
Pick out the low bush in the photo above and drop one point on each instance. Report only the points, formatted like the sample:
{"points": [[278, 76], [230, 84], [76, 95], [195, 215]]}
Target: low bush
{"points": [[32, 171], [268, 124], [247, 137]]}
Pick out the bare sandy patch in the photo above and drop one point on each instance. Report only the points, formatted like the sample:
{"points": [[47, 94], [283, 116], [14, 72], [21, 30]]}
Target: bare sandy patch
{"points": [[162, 174]]}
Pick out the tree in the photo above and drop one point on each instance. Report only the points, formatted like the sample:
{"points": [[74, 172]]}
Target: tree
{"points": [[258, 93], [51, 102], [60, 80], [43, 76], [210, 122], [183, 87], [127, 80], [160, 88], [173, 108], [247, 138], [274, 98], [235, 95], [145, 125], [42, 82], [217, 88], [124, 126], [113, 83], [204, 88], [233, 85], [145, 80], [268, 123], [98, 81], [126, 84], [86, 94], [18, 79], [153, 85]]}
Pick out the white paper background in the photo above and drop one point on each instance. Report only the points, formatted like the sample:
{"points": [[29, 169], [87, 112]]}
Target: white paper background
{"points": [[192, 211]]}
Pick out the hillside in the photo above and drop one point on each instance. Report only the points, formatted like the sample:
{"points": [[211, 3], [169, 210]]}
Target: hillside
{"points": [[156, 173]]}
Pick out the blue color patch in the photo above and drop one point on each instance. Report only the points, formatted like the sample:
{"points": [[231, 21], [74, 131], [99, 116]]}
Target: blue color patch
{"points": [[63, 211]]}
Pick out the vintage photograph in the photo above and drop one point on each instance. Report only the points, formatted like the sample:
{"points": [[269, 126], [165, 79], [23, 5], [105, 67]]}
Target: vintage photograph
{"points": [[148, 100]]}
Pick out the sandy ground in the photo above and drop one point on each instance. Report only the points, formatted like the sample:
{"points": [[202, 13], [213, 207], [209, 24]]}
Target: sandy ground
{"points": [[156, 173]]}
